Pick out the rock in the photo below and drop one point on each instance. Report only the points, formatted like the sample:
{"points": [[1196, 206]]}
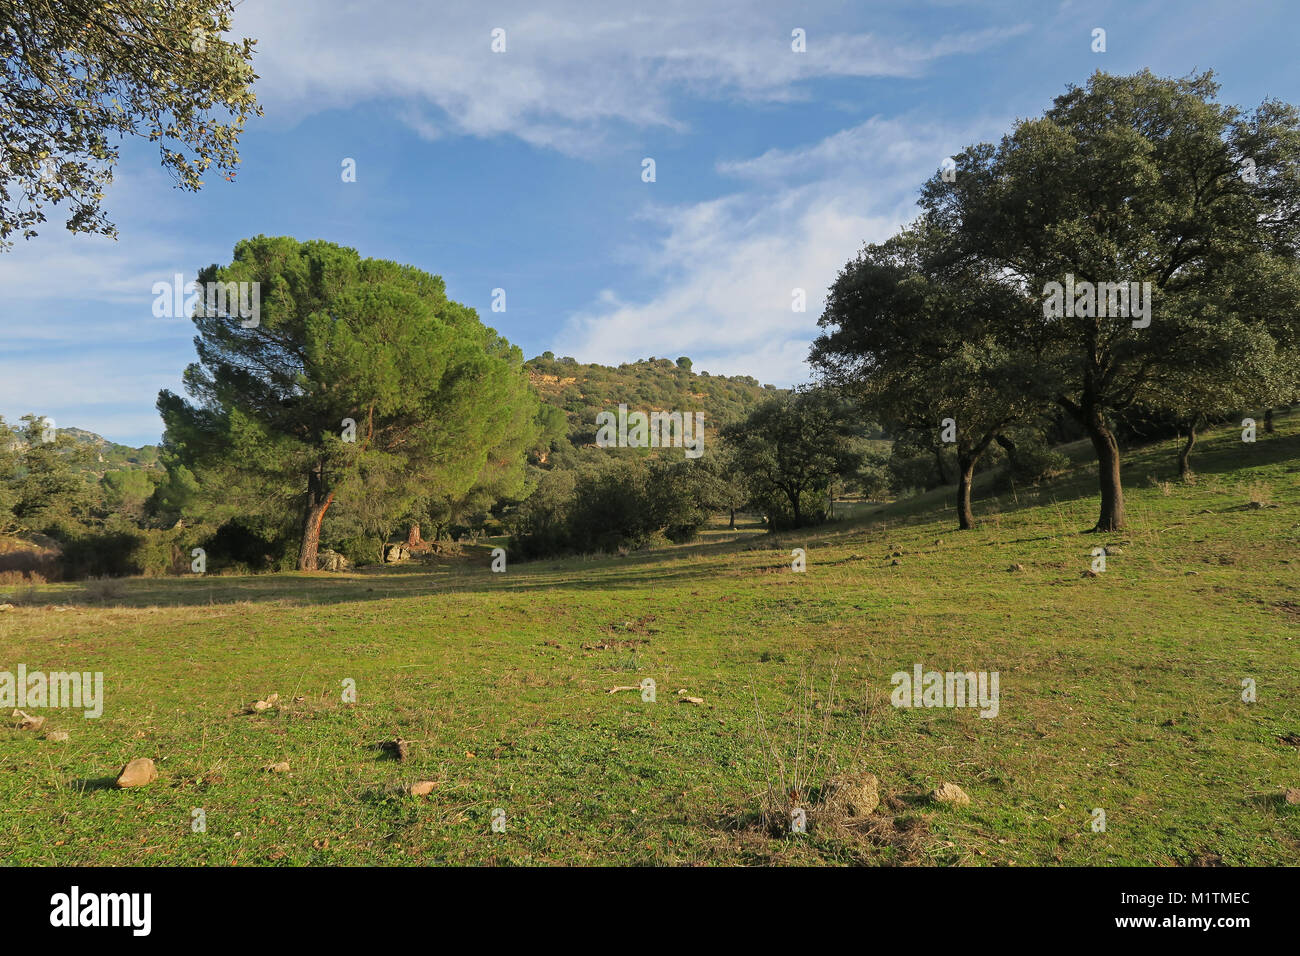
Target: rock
{"points": [[950, 793], [1016, 567], [137, 773], [1255, 505], [423, 788], [6, 607], [856, 794], [1292, 795], [393, 553], [57, 736], [281, 767], [1112, 551], [27, 722], [329, 560], [267, 704]]}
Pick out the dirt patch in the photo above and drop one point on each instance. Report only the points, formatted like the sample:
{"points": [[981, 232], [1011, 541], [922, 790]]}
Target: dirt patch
{"points": [[639, 626], [616, 645]]}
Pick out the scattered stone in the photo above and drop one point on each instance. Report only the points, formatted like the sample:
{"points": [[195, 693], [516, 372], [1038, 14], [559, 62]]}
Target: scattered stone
{"points": [[1292, 795], [856, 794], [267, 704], [137, 773], [423, 788], [57, 736], [281, 767], [393, 553], [330, 560], [950, 793], [27, 722]]}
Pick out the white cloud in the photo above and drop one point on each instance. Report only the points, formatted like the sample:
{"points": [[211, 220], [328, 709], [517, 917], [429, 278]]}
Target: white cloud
{"points": [[569, 73], [726, 268]]}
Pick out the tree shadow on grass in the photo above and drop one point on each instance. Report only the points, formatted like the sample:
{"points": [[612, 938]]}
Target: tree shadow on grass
{"points": [[667, 567]]}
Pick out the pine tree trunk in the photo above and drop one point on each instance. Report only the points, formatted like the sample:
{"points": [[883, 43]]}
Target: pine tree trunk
{"points": [[413, 535], [733, 518], [1268, 421], [318, 502]]}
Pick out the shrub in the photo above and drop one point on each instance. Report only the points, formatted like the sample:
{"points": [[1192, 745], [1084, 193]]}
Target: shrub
{"points": [[360, 550], [101, 589]]}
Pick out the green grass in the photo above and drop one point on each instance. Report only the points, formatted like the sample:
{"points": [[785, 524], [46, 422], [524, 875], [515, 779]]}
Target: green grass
{"points": [[1121, 692]]}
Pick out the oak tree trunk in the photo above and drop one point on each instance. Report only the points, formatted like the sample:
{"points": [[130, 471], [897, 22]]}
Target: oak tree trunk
{"points": [[965, 517], [1111, 517], [1185, 455]]}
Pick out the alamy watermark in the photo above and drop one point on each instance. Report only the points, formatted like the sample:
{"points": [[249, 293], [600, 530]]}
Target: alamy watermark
{"points": [[946, 689], [1116, 300], [656, 430], [77, 690], [178, 299]]}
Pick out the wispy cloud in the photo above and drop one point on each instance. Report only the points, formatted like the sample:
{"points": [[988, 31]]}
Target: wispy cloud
{"points": [[568, 73], [727, 268]]}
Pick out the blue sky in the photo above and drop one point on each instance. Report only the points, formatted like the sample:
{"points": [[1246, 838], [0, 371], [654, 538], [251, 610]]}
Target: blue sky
{"points": [[522, 170]]}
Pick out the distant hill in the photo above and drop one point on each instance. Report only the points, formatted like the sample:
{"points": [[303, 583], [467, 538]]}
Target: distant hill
{"points": [[107, 456], [582, 390], [110, 456]]}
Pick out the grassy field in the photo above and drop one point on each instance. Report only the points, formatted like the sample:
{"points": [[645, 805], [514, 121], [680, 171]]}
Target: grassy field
{"points": [[1121, 691]]}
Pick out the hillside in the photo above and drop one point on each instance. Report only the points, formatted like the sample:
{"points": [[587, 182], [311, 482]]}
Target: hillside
{"points": [[105, 455], [1120, 692], [582, 390]]}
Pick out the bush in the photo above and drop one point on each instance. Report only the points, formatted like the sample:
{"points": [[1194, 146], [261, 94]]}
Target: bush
{"points": [[360, 550], [99, 552], [99, 590], [235, 544]]}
